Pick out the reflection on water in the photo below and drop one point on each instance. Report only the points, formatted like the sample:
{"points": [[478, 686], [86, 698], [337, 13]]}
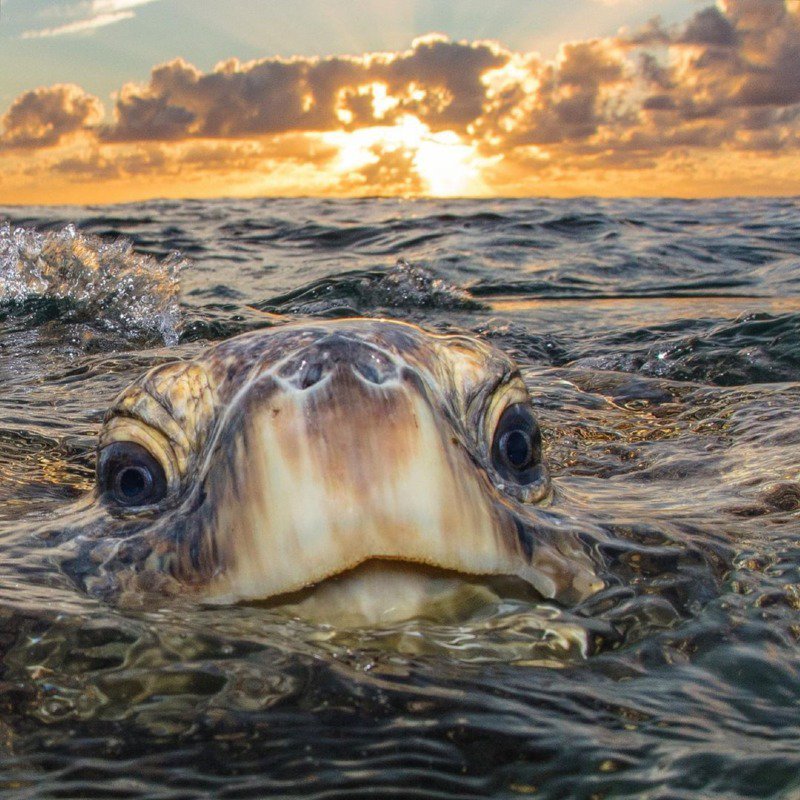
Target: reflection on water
{"points": [[664, 364]]}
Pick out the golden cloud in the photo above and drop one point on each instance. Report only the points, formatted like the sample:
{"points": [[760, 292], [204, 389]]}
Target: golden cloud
{"points": [[442, 117], [43, 117]]}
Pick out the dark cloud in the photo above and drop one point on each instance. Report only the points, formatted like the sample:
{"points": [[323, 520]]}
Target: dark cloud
{"points": [[659, 102], [710, 27], [746, 53], [572, 97], [756, 15], [448, 72], [589, 64], [714, 72], [439, 81], [235, 100], [43, 117]]}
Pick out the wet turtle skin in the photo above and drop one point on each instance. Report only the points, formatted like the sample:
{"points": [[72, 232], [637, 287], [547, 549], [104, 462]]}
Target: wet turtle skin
{"points": [[288, 458]]}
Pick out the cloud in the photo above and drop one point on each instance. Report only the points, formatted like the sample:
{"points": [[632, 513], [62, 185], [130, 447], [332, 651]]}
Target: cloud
{"points": [[727, 71], [43, 117], [193, 161], [646, 89], [710, 27], [79, 26], [115, 6], [438, 81], [445, 116], [570, 98], [90, 17], [390, 168]]}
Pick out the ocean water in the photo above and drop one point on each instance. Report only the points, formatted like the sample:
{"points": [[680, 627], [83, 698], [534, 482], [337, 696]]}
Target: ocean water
{"points": [[661, 343]]}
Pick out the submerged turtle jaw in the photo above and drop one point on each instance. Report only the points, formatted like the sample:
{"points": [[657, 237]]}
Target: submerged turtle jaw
{"points": [[383, 591]]}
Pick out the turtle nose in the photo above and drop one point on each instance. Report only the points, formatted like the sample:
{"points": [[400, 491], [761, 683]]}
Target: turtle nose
{"points": [[338, 352]]}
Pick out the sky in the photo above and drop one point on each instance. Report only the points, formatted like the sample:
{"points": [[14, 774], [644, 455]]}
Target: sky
{"points": [[123, 100]]}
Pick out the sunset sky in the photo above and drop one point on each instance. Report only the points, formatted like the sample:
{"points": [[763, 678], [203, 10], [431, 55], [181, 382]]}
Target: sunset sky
{"points": [[116, 100]]}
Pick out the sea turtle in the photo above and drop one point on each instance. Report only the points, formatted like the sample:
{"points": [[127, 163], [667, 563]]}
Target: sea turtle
{"points": [[342, 468]]}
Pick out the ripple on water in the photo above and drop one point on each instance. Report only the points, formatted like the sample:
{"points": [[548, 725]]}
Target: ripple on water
{"points": [[658, 339]]}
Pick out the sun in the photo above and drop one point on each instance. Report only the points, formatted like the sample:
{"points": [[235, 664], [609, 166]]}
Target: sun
{"points": [[446, 164], [440, 162]]}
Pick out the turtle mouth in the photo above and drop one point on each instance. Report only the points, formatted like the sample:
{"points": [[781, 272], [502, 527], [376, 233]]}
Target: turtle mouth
{"points": [[382, 591]]}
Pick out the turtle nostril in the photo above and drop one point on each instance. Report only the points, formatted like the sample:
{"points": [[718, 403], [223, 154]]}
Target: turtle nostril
{"points": [[369, 372], [309, 375], [336, 352]]}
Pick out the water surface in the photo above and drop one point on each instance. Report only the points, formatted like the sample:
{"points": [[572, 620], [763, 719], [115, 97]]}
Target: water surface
{"points": [[661, 343]]}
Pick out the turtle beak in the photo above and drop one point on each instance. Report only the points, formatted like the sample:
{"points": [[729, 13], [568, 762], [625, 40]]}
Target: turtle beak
{"points": [[343, 457]]}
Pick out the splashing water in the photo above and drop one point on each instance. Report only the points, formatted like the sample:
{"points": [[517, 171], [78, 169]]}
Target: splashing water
{"points": [[104, 282]]}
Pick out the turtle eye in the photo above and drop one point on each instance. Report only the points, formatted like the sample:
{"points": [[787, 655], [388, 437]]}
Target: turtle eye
{"points": [[517, 445], [130, 476]]}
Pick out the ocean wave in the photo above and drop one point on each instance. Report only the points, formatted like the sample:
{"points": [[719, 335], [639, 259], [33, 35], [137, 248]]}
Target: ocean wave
{"points": [[754, 348], [404, 286]]}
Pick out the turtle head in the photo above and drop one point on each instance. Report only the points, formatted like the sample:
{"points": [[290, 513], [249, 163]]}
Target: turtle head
{"points": [[340, 465]]}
